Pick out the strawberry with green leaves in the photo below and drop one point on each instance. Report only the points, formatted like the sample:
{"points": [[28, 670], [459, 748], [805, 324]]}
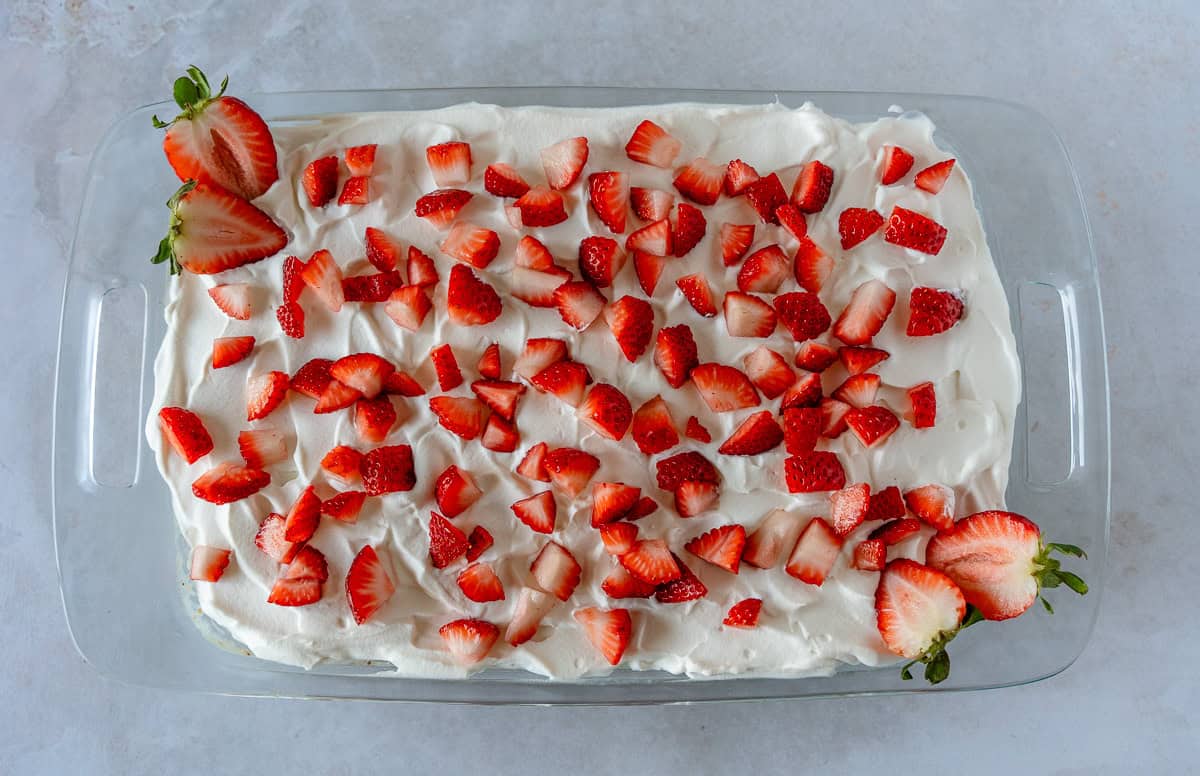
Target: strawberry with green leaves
{"points": [[212, 230]]}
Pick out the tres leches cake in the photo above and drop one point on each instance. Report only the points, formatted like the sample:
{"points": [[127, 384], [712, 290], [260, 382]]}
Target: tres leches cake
{"points": [[705, 389]]}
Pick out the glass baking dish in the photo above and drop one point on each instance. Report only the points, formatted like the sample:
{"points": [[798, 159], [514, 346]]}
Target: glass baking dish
{"points": [[121, 559]]}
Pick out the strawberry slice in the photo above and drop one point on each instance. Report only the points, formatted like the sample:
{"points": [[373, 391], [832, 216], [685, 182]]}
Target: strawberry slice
{"points": [[364, 372], [792, 220], [541, 206], [896, 531], [895, 165], [537, 511], [343, 463], [804, 392], [765, 546], [618, 537], [651, 204], [344, 506], [621, 584], [499, 435], [722, 546], [446, 366], [696, 430], [748, 316], [535, 287], [469, 640], [469, 300], [539, 353], [376, 287], [564, 160], [700, 181], [918, 610], [450, 163], [212, 231], [360, 160], [910, 229], [646, 506], [812, 188], [653, 428], [651, 144], [885, 504], [608, 193], [420, 269], [471, 244], [440, 208], [608, 630], [612, 501], [302, 519], [856, 224], [578, 303], [368, 585], [463, 417], [500, 396], [219, 140], [455, 491], [264, 393], [322, 274], [295, 592], [858, 390], [407, 307], [336, 396], [261, 447], [735, 241], [651, 561], [744, 614], [738, 175], [607, 410], [699, 295], [872, 425], [355, 191], [479, 583], [293, 284], [769, 371], [724, 388], [934, 504], [532, 605], [833, 417], [756, 435], [571, 470], [802, 313], [503, 181], [922, 400], [532, 254], [764, 270], [812, 266], [656, 238], [402, 384], [859, 359], [815, 357], [388, 470], [818, 471], [556, 571], [185, 432], [869, 555], [933, 177], [566, 380], [208, 563], [478, 543], [687, 587], [694, 498], [269, 539], [675, 353], [648, 268], [869, 306], [932, 311], [382, 250], [631, 321], [600, 259], [689, 229], [848, 507], [815, 553], [295, 584], [765, 196], [319, 179], [447, 543], [533, 465], [233, 299]]}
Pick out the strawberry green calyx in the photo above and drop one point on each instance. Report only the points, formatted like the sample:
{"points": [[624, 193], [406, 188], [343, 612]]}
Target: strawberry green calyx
{"points": [[192, 93], [166, 246], [1049, 573], [935, 657]]}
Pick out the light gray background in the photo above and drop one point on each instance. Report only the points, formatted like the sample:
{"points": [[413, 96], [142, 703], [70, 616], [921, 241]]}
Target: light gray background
{"points": [[1120, 84]]}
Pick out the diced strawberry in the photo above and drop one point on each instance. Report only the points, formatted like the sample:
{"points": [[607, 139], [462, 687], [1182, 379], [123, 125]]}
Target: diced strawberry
{"points": [[621, 584], [608, 630], [600, 259], [571, 470], [765, 546], [724, 388], [450, 163], [382, 251], [675, 353], [343, 463], [261, 447], [700, 181], [618, 537], [934, 504], [533, 465], [469, 640], [420, 269], [848, 507], [502, 180], [355, 191], [463, 417], [368, 585], [858, 390], [804, 392], [802, 313], [360, 160], [833, 417], [735, 241], [915, 608], [336, 396], [815, 357], [612, 501], [651, 204], [653, 428], [696, 430], [801, 429], [291, 319], [324, 277], [344, 506], [471, 244], [532, 254], [896, 531], [440, 208], [564, 160], [651, 144], [566, 380], [364, 372], [631, 321], [722, 546], [302, 519], [932, 311], [791, 219], [488, 365], [447, 543], [556, 571], [812, 266], [933, 177], [689, 228], [578, 303], [455, 491], [812, 188], [539, 353], [536, 287], [922, 401], [374, 418], [608, 193], [500, 435], [388, 470], [293, 284], [869, 306], [376, 287], [233, 299], [909, 229], [756, 435], [764, 270], [765, 196], [818, 471], [319, 179], [651, 561], [607, 410], [479, 583], [885, 504], [815, 553], [446, 366], [656, 238], [269, 539], [264, 393], [407, 306], [301, 591], [856, 224], [185, 432], [699, 295], [685, 467], [859, 359], [869, 555], [500, 396], [738, 175], [648, 268], [769, 371], [872, 425], [744, 614], [694, 498], [402, 384], [686, 587], [208, 563], [541, 206], [512, 214], [532, 605], [478, 543], [469, 300], [896, 164]]}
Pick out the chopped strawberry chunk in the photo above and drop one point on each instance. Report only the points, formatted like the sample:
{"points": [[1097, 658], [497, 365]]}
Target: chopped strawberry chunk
{"points": [[450, 163], [802, 314], [360, 160], [402, 384], [446, 366], [804, 392], [531, 253], [500, 435], [631, 321], [455, 491], [608, 193], [651, 144], [537, 511], [471, 244], [502, 180], [934, 504], [812, 188], [932, 311], [609, 630], [896, 531], [336, 396], [765, 196], [922, 401], [208, 563], [689, 229], [185, 432], [765, 546], [478, 543], [571, 470], [488, 365], [763, 271], [618, 537], [607, 410], [407, 306], [324, 277], [612, 501], [818, 471], [343, 463], [447, 543], [685, 467], [896, 164], [269, 539], [698, 293], [463, 417], [724, 388], [686, 587], [801, 429], [302, 519], [420, 269], [291, 319], [264, 393], [533, 465], [556, 571], [539, 353], [364, 372], [233, 299], [500, 396], [700, 181], [735, 241], [621, 584], [872, 425], [651, 204], [377, 287], [756, 435], [675, 354], [657, 238], [319, 180], [480, 583], [469, 300], [910, 229], [564, 160], [535, 287], [440, 208], [769, 371], [856, 224], [600, 259], [566, 380], [869, 306], [815, 357], [744, 614], [815, 553], [578, 303], [541, 206], [469, 641], [368, 584], [722, 546], [653, 428], [696, 430], [532, 605], [382, 251], [738, 175], [388, 470], [933, 177], [344, 506], [812, 266], [261, 447], [651, 561], [848, 507], [648, 268], [833, 417], [869, 555], [355, 191], [858, 390]]}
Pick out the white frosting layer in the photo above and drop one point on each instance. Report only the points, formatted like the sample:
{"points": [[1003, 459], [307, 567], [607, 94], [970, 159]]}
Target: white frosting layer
{"points": [[803, 629]]}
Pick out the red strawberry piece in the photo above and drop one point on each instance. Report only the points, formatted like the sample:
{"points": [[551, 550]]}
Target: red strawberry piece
{"points": [[791, 219], [469, 300], [533, 465], [612, 501], [469, 641], [571, 470], [885, 504], [856, 224], [812, 266], [651, 144], [402, 384], [689, 228], [219, 140], [541, 206], [564, 160], [934, 504], [632, 323], [700, 181], [869, 306], [764, 270], [694, 498], [578, 303], [801, 429], [295, 592], [812, 188], [651, 204], [512, 214], [933, 177], [922, 401], [463, 417], [539, 353], [735, 241], [896, 164], [322, 274], [355, 191], [556, 571], [370, 288], [478, 543], [651, 561], [648, 268], [675, 354], [653, 428], [600, 259], [440, 208], [848, 507], [344, 506], [293, 284], [858, 390], [815, 553], [621, 584], [420, 269], [319, 179], [769, 371], [343, 463], [455, 491], [618, 537], [748, 316], [407, 306], [869, 555], [685, 467], [722, 546], [336, 396], [302, 519], [446, 366], [645, 507], [364, 372], [532, 605], [608, 193], [213, 230], [499, 435], [360, 160], [859, 359], [695, 430], [608, 630], [872, 425], [503, 181], [388, 470], [450, 163], [657, 238], [896, 531], [186, 433], [915, 607], [910, 229], [471, 244], [261, 447], [818, 471], [270, 540], [686, 587], [233, 299], [804, 392], [765, 546], [535, 287], [447, 543], [264, 393], [724, 388], [802, 313], [932, 311], [757, 434], [500, 396], [607, 410], [382, 251], [765, 196], [368, 585], [738, 175], [833, 417], [744, 614], [480, 583], [699, 295], [566, 380], [815, 357], [208, 563], [532, 254]]}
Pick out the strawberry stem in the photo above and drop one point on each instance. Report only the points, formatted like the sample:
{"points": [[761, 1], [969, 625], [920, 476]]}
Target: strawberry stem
{"points": [[193, 94], [166, 246], [935, 657]]}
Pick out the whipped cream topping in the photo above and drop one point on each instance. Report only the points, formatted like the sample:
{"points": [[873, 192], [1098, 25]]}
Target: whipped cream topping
{"points": [[804, 630]]}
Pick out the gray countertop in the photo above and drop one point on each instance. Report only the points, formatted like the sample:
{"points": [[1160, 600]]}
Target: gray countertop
{"points": [[1121, 85]]}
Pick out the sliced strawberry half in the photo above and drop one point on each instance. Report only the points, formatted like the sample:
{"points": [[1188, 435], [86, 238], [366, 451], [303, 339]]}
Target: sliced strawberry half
{"points": [[536, 287], [765, 196], [600, 259], [859, 359], [769, 371], [815, 357], [264, 393], [578, 303], [735, 241], [556, 571], [566, 380], [407, 306], [208, 563], [690, 226], [694, 429], [869, 555], [233, 299], [698, 293], [675, 353], [803, 314], [368, 584], [804, 392], [364, 372], [469, 640], [609, 630], [212, 231], [651, 144], [621, 584], [564, 160], [833, 417], [722, 546], [360, 160], [455, 491], [872, 425], [651, 204], [917, 610], [608, 193], [657, 238], [910, 229], [269, 539], [700, 181], [649, 269], [748, 316], [686, 587], [856, 224], [533, 465], [185, 432], [303, 517], [848, 507], [763, 271], [322, 274], [934, 177], [450, 163], [896, 164], [343, 463], [653, 427], [815, 553], [724, 388], [336, 396], [693, 498], [471, 244], [531, 607], [858, 390], [571, 470], [447, 542], [463, 417], [541, 206], [539, 353], [445, 365], [261, 447], [480, 583], [813, 186], [420, 269], [355, 191], [651, 561], [812, 266], [618, 537], [934, 504], [756, 435], [478, 543], [319, 180], [792, 220], [612, 501], [344, 506], [440, 208], [685, 467], [922, 400], [744, 614], [469, 300], [388, 470], [738, 175], [502, 180], [765, 546], [818, 471], [382, 251], [537, 511], [631, 321], [607, 410], [532, 254], [869, 306]]}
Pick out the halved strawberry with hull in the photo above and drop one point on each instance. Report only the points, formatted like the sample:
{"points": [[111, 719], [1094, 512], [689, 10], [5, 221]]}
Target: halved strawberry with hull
{"points": [[212, 230]]}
